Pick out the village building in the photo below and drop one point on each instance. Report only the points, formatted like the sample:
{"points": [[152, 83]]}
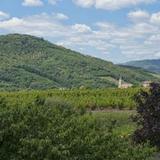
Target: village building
{"points": [[146, 84], [124, 85]]}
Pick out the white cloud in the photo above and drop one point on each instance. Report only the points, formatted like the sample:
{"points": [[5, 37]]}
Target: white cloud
{"points": [[13, 22], [111, 4], [60, 16], [155, 38], [3, 15], [82, 28], [155, 18], [32, 3], [157, 54], [84, 3], [39, 25], [139, 15]]}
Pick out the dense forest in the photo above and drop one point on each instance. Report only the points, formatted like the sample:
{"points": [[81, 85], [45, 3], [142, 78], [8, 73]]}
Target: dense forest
{"points": [[28, 62]]}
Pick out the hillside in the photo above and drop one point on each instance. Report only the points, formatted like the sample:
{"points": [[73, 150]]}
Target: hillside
{"points": [[31, 62], [150, 65]]}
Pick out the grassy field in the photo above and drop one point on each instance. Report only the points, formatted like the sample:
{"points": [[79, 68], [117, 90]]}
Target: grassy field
{"points": [[124, 126]]}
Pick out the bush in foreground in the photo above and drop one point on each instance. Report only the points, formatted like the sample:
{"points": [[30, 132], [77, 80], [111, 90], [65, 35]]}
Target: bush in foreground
{"points": [[44, 132], [148, 117]]}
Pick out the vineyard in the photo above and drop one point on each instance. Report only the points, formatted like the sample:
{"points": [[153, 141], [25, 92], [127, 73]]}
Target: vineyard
{"points": [[96, 99], [55, 131], [70, 124]]}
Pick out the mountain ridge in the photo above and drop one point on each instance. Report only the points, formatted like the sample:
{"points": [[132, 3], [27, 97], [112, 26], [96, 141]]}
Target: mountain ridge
{"points": [[152, 65]]}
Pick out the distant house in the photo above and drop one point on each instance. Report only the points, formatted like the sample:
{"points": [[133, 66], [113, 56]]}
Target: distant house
{"points": [[146, 84], [62, 89], [124, 85]]}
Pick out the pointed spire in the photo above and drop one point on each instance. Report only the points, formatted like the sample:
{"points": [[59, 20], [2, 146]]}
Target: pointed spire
{"points": [[120, 82]]}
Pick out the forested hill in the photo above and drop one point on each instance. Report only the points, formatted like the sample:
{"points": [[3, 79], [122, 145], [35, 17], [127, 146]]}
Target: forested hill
{"points": [[150, 65], [31, 62]]}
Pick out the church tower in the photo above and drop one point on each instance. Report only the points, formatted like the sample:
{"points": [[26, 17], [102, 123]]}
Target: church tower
{"points": [[120, 83]]}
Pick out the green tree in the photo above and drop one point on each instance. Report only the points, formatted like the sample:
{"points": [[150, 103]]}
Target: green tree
{"points": [[148, 117]]}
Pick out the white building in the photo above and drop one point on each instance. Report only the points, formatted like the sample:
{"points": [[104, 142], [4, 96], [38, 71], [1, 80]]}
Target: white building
{"points": [[124, 85], [146, 84]]}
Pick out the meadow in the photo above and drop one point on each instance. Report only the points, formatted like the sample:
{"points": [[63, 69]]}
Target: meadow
{"points": [[124, 125]]}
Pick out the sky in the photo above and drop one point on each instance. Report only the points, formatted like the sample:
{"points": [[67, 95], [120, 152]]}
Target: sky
{"points": [[114, 30]]}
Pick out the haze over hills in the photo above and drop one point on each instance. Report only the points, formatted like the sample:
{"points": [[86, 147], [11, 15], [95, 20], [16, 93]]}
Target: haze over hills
{"points": [[150, 65], [28, 62]]}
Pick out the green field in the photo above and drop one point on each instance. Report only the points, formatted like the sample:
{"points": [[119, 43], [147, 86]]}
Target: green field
{"points": [[124, 126]]}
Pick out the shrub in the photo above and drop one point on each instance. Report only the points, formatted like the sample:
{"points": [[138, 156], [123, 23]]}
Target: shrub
{"points": [[3, 102], [57, 101], [148, 117], [61, 133], [39, 100]]}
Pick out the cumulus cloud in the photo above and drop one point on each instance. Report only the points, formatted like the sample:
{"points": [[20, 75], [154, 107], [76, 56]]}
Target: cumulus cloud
{"points": [[39, 25], [84, 3], [82, 28], [139, 15], [13, 22], [111, 4], [60, 16], [4, 15], [32, 3], [156, 18]]}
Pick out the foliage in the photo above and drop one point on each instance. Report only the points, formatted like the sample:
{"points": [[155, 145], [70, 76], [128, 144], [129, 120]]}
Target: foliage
{"points": [[92, 99], [124, 126], [28, 62], [61, 133], [148, 118]]}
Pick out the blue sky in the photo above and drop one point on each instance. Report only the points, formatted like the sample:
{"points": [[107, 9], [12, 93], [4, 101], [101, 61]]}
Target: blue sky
{"points": [[114, 30]]}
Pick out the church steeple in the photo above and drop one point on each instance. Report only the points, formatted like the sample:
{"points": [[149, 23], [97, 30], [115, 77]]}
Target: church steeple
{"points": [[120, 83]]}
